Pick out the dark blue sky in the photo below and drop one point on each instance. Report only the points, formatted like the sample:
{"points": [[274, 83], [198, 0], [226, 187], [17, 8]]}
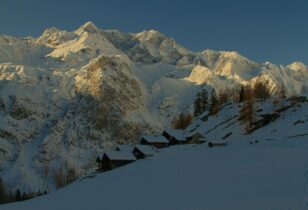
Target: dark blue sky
{"points": [[275, 30]]}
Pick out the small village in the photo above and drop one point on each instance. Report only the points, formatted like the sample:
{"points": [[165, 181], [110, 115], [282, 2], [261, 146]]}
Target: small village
{"points": [[149, 146]]}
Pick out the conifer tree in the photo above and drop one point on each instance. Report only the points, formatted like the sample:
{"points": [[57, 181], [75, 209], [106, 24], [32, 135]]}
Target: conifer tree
{"points": [[3, 193], [201, 103], [197, 105], [241, 94], [18, 195], [214, 107], [98, 159], [24, 196]]}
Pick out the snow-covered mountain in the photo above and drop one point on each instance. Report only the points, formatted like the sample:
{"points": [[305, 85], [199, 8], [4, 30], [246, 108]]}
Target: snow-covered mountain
{"points": [[67, 96]]}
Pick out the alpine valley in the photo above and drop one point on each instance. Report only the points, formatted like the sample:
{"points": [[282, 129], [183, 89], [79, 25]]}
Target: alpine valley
{"points": [[66, 97]]}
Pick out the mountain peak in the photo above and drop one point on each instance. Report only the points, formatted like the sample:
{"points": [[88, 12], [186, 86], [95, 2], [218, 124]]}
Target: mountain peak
{"points": [[296, 66], [149, 34], [232, 55], [88, 27], [153, 32], [50, 30]]}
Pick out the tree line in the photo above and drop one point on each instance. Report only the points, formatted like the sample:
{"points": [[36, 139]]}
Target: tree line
{"points": [[7, 196], [212, 101], [249, 95], [61, 176]]}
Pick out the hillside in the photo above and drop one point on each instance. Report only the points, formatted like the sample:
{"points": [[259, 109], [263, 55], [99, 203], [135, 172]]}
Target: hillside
{"points": [[269, 175], [266, 169], [228, 178], [274, 122]]}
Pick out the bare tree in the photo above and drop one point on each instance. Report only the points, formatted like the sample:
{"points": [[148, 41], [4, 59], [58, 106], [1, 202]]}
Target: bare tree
{"points": [[183, 121]]}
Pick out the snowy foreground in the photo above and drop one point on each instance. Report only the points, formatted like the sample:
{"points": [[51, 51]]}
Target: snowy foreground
{"points": [[264, 176]]}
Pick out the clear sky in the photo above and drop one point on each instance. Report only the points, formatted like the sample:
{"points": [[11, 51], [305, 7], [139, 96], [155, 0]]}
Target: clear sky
{"points": [[262, 30]]}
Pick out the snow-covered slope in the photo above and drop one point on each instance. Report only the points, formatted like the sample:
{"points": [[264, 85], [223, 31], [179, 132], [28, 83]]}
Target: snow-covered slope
{"points": [[265, 170], [88, 43], [229, 64], [22, 51], [277, 122], [54, 37], [229, 178], [67, 96]]}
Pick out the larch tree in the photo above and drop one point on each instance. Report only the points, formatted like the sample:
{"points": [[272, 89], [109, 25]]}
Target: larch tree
{"points": [[260, 91], [247, 110], [183, 121]]}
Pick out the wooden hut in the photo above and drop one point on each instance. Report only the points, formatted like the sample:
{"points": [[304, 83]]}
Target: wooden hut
{"points": [[195, 138], [175, 136], [114, 159], [158, 141], [143, 151], [217, 143], [125, 148]]}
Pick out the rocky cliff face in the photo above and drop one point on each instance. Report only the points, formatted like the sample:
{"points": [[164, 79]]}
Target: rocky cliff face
{"points": [[65, 97]]}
